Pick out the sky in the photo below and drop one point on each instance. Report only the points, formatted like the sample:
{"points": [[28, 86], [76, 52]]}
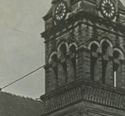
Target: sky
{"points": [[21, 46]]}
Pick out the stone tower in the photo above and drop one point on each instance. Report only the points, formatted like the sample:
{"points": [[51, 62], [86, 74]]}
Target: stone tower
{"points": [[85, 58]]}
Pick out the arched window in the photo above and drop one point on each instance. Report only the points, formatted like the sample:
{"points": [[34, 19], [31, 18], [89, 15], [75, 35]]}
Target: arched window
{"points": [[118, 57], [105, 59], [72, 63], [62, 77], [115, 66], [55, 66], [94, 56], [53, 71]]}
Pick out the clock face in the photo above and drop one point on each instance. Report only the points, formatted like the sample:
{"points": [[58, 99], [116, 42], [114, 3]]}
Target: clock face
{"points": [[108, 9], [60, 11]]}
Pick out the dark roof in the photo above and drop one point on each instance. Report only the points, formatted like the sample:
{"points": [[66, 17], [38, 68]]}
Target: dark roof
{"points": [[11, 105]]}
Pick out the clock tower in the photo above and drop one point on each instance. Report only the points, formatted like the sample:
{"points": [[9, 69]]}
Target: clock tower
{"points": [[84, 58]]}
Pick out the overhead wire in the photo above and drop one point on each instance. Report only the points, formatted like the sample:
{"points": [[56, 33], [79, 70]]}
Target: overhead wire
{"points": [[23, 77], [15, 81]]}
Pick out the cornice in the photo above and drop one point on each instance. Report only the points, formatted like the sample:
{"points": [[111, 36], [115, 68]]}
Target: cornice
{"points": [[83, 18], [81, 90]]}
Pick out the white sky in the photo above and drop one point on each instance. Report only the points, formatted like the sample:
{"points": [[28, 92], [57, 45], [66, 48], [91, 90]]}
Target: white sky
{"points": [[21, 47]]}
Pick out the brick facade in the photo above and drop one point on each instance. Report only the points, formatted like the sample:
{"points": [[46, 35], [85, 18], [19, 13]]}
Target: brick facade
{"points": [[83, 54]]}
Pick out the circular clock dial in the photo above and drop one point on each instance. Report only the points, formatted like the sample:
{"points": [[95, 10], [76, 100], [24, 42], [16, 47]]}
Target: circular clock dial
{"points": [[60, 11], [108, 8]]}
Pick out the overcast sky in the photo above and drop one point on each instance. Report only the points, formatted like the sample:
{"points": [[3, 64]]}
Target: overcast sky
{"points": [[21, 47]]}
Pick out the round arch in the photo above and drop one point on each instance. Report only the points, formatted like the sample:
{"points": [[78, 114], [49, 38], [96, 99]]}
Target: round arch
{"points": [[51, 55], [106, 40], [73, 44], [122, 57], [107, 44], [93, 42], [60, 45]]}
